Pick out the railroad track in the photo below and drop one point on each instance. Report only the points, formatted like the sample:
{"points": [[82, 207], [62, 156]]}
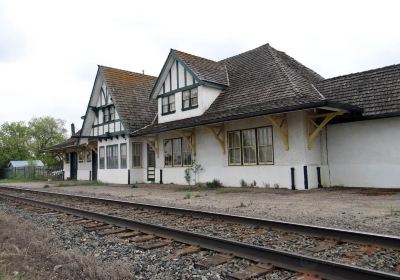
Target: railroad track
{"points": [[260, 254]]}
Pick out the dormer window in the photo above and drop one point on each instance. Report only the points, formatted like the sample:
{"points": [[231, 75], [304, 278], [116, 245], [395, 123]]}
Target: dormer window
{"points": [[106, 115], [112, 113], [190, 99], [168, 104]]}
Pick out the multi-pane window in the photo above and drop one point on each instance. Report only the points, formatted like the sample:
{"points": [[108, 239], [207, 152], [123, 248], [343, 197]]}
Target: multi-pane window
{"points": [[136, 154], [250, 146], [234, 148], [168, 104], [123, 155], [112, 156], [186, 153], [112, 113], [177, 152], [106, 115], [89, 156], [264, 144], [190, 99], [101, 158], [168, 152]]}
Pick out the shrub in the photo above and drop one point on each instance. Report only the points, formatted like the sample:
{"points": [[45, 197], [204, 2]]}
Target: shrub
{"points": [[187, 195], [243, 184], [214, 184], [188, 176]]}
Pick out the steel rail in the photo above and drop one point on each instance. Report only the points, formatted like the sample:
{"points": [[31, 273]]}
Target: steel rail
{"points": [[387, 241], [282, 259]]}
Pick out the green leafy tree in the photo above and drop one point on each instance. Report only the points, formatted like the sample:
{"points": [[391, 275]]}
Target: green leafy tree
{"points": [[14, 142], [21, 141], [45, 132]]}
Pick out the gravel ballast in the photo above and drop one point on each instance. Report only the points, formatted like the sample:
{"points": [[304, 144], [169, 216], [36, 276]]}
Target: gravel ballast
{"points": [[371, 210], [145, 264]]}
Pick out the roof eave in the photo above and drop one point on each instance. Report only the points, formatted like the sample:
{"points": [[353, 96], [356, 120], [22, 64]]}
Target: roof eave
{"points": [[304, 106]]}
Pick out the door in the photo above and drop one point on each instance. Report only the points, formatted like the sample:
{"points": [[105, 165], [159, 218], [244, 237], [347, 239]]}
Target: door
{"points": [[151, 164], [73, 166], [94, 166]]}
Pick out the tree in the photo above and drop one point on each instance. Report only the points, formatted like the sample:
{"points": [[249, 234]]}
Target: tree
{"points": [[45, 132], [19, 141], [14, 142]]}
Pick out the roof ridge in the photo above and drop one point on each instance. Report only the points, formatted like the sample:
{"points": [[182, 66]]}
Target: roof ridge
{"points": [[265, 45], [291, 83], [127, 71], [195, 55], [387, 67]]}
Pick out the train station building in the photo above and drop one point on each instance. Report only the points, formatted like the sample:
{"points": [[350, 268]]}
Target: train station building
{"points": [[257, 118]]}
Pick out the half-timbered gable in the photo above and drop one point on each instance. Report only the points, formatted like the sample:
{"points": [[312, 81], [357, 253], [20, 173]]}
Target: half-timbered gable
{"points": [[187, 86]]}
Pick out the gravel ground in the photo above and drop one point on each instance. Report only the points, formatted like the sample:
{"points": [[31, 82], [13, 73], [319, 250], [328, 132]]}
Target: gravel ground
{"points": [[302, 244], [150, 264], [373, 210]]}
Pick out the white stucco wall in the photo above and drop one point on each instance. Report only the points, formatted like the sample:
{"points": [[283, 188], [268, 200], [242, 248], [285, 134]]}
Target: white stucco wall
{"points": [[67, 173], [206, 96], [365, 153], [117, 176], [84, 169], [215, 163]]}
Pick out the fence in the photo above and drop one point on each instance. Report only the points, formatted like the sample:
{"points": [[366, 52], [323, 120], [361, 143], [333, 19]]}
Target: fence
{"points": [[32, 172]]}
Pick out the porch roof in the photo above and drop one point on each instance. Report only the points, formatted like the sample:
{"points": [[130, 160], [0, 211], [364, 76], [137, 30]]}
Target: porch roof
{"points": [[267, 108]]}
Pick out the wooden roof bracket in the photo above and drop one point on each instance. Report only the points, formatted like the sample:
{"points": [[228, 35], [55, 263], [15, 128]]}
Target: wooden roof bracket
{"points": [[219, 135], [153, 143], [314, 128], [62, 156], [190, 138], [281, 125]]}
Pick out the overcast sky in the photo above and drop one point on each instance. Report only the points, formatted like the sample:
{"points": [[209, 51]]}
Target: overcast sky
{"points": [[49, 50]]}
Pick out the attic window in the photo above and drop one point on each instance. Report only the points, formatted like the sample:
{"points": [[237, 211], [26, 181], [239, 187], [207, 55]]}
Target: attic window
{"points": [[168, 104], [190, 99], [112, 113]]}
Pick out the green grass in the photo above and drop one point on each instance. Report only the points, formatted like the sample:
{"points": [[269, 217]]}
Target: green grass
{"points": [[188, 196], [21, 179]]}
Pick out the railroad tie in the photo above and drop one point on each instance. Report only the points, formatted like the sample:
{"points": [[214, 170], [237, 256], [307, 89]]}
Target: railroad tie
{"points": [[185, 251], [128, 234], [213, 261], [155, 245], [92, 224], [142, 238], [306, 276], [81, 222], [112, 231], [252, 271], [76, 220], [98, 227], [321, 246]]}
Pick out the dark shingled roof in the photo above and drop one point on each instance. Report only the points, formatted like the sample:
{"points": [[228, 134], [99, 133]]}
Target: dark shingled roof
{"points": [[130, 93], [377, 91], [205, 69], [261, 81], [264, 75]]}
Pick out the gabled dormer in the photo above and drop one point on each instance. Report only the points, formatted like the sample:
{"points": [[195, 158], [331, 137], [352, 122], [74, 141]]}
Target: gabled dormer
{"points": [[187, 86], [119, 103], [102, 118]]}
